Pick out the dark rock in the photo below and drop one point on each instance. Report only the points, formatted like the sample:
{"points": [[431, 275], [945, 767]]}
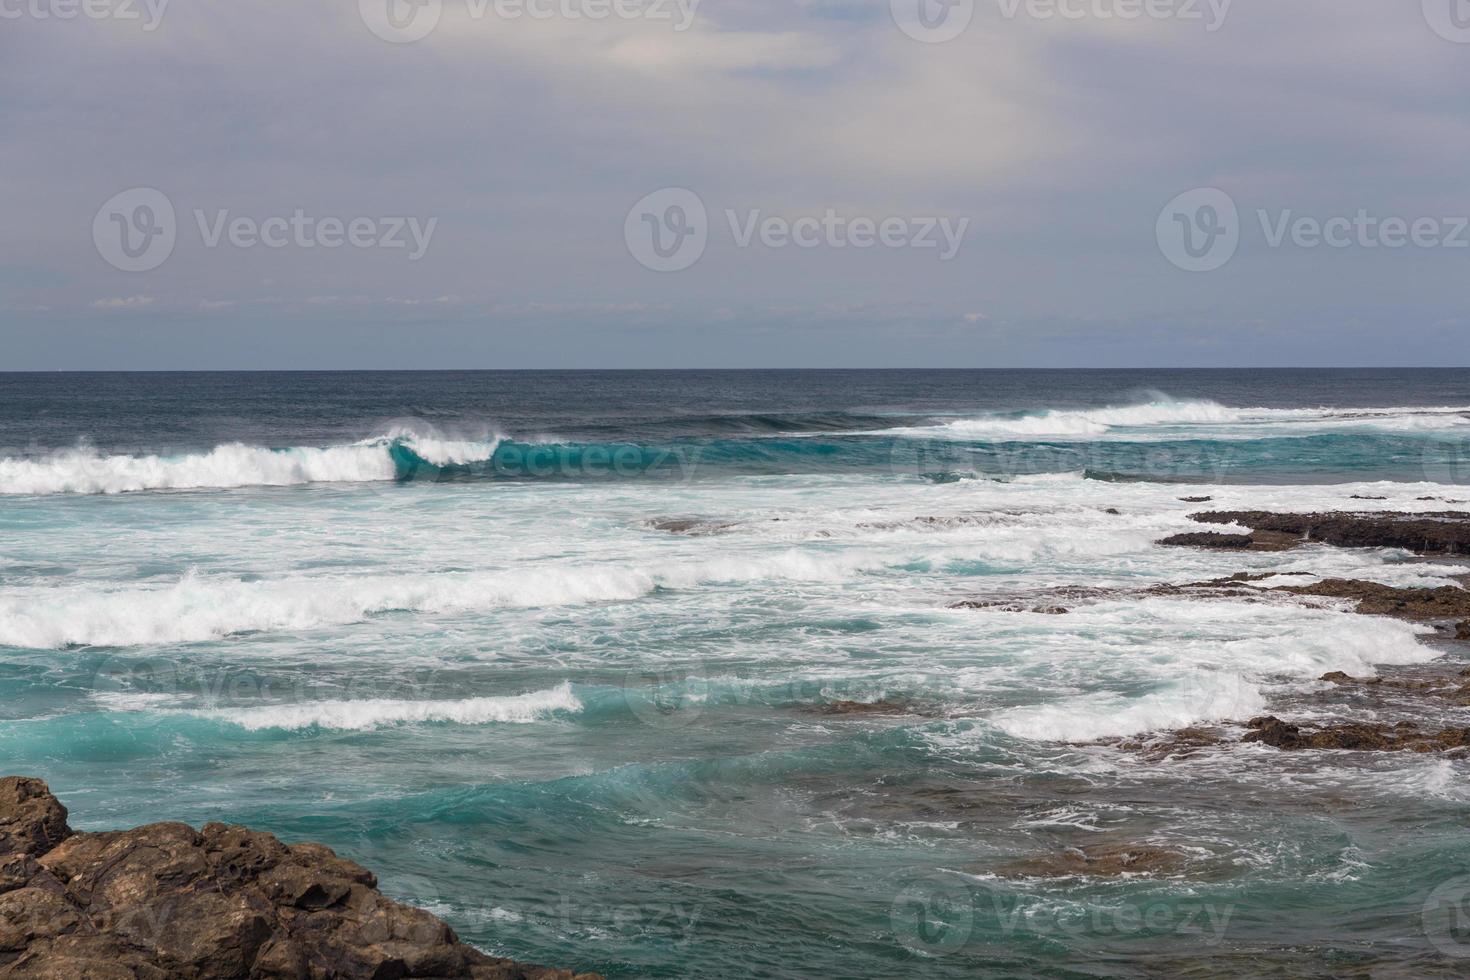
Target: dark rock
{"points": [[1180, 743], [1363, 496], [691, 526], [167, 902], [32, 821], [1462, 630], [1445, 532], [1386, 600], [1404, 736], [1196, 500], [1112, 510], [1209, 539]]}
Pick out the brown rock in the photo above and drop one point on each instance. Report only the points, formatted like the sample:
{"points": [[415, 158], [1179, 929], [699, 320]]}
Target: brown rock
{"points": [[1102, 860], [1386, 600], [32, 821], [1270, 730], [167, 902]]}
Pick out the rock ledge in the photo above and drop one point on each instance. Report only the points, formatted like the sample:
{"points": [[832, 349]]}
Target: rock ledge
{"points": [[165, 902]]}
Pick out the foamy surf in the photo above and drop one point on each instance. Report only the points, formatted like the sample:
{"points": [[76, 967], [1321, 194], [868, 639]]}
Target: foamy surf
{"points": [[198, 609], [1167, 418], [368, 714], [1199, 698]]}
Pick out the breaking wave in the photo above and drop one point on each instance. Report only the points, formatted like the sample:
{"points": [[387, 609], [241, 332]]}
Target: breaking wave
{"points": [[393, 455], [367, 714]]}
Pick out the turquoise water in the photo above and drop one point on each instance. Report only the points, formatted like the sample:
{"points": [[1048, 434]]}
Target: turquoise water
{"points": [[442, 622]]}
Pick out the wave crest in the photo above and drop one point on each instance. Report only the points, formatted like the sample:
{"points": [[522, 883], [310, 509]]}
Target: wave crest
{"points": [[398, 453]]}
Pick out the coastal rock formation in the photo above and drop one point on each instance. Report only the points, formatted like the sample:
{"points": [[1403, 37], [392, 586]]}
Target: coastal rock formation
{"points": [[1445, 532], [1209, 539], [1270, 730], [164, 901], [1385, 600]]}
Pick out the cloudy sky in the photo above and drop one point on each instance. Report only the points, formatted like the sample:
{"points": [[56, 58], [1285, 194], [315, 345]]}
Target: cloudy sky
{"points": [[733, 183]]}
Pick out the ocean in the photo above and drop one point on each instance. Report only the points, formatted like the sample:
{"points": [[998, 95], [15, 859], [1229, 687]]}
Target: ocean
{"points": [[665, 674]]}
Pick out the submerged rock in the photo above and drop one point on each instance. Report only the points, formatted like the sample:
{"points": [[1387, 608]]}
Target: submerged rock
{"points": [[1047, 610], [1102, 860], [690, 526], [884, 707], [167, 902]]}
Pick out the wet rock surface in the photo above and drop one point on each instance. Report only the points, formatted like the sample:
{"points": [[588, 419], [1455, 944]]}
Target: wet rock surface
{"points": [[167, 902], [689, 526], [1444, 532], [1360, 736], [1374, 599], [1208, 539]]}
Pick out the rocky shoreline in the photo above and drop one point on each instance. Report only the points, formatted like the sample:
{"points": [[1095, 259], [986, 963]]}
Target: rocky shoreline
{"points": [[168, 902], [1447, 608], [1428, 689]]}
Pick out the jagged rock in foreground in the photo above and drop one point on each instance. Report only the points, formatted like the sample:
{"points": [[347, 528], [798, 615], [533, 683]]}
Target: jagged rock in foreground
{"points": [[167, 902]]}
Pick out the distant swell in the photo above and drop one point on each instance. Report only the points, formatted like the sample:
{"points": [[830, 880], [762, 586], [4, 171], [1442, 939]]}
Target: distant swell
{"points": [[1166, 417]]}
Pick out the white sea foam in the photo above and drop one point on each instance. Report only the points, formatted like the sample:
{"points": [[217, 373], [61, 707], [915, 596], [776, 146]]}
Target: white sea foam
{"points": [[364, 715], [1168, 418], [1175, 647], [1200, 697], [84, 470], [199, 608]]}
